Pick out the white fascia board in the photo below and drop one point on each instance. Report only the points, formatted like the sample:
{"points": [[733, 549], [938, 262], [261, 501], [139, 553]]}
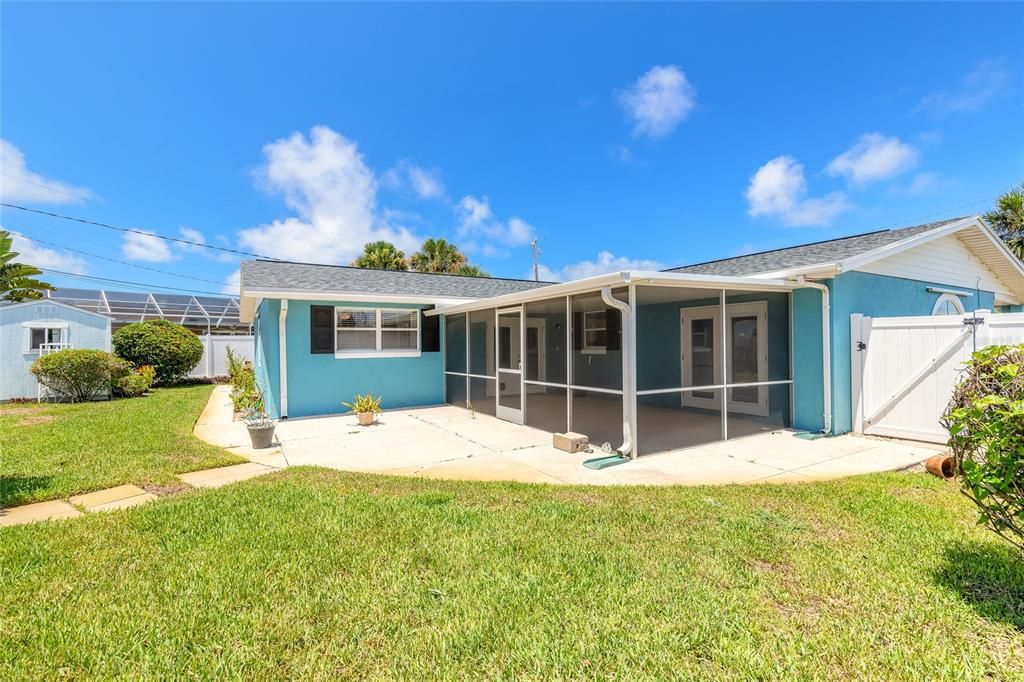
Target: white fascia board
{"points": [[862, 259], [623, 278], [816, 271]]}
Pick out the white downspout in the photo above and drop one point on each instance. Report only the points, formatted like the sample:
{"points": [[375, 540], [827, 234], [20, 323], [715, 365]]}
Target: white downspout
{"points": [[627, 376], [826, 347], [283, 357]]}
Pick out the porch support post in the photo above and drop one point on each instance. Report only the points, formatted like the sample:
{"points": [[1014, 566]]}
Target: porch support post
{"points": [[568, 363], [283, 357], [725, 373], [630, 393]]}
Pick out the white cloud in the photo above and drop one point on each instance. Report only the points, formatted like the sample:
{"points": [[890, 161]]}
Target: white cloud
{"points": [[191, 235], [326, 181], [19, 184], [605, 262], [924, 183], [779, 188], [873, 157], [30, 253], [658, 101], [973, 92], [425, 183], [232, 283], [146, 247], [477, 221]]}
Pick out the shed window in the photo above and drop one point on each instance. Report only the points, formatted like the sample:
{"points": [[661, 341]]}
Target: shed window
{"points": [[367, 332], [40, 337]]}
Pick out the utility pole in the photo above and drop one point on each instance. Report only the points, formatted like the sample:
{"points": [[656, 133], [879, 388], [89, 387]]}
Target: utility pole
{"points": [[536, 266]]}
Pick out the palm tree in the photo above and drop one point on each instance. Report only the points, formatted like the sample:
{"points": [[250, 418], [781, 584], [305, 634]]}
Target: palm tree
{"points": [[437, 255], [16, 283], [1007, 219], [468, 270], [381, 256]]}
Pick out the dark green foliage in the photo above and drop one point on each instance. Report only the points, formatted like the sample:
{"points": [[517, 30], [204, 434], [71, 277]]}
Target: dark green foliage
{"points": [[135, 383], [80, 374], [985, 419], [244, 393], [169, 348]]}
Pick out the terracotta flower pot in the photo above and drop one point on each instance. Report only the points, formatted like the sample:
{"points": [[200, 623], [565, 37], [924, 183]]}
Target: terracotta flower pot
{"points": [[941, 466], [366, 418]]}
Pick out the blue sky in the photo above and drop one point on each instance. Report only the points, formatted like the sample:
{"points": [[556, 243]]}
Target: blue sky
{"points": [[618, 135]]}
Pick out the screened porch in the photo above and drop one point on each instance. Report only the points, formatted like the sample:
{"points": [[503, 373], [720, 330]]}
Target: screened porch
{"points": [[658, 367]]}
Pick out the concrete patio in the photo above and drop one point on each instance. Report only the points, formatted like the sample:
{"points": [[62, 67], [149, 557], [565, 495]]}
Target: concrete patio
{"points": [[452, 443]]}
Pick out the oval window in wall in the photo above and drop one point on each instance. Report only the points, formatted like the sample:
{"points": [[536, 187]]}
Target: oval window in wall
{"points": [[948, 304]]}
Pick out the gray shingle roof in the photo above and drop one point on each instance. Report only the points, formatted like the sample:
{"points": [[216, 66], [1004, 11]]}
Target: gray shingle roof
{"points": [[807, 254], [278, 275]]}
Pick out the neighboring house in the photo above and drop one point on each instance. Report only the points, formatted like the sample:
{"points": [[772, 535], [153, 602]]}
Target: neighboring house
{"points": [[34, 328], [633, 358]]}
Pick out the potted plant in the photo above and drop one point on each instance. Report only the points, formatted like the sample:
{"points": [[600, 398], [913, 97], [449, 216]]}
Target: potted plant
{"points": [[365, 407], [260, 426]]}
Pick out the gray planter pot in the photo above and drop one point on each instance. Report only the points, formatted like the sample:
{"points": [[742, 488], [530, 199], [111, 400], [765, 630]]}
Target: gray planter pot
{"points": [[261, 436]]}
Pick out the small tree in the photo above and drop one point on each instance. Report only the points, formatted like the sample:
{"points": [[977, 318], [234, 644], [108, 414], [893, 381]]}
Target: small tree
{"points": [[171, 349], [1007, 219], [381, 255], [16, 279], [985, 419], [437, 255]]}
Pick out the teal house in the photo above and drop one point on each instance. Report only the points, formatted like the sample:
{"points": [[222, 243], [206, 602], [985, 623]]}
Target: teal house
{"points": [[646, 361]]}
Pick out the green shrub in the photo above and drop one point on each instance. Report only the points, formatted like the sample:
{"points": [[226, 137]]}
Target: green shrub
{"points": [[364, 403], [244, 391], [135, 383], [985, 419], [170, 348], [80, 375]]}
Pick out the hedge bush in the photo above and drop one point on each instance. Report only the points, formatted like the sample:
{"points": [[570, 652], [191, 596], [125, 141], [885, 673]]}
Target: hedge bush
{"points": [[985, 419], [171, 349], [81, 374], [244, 392], [135, 383]]}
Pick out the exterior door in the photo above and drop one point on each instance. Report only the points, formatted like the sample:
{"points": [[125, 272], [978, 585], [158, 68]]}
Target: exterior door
{"points": [[746, 356], [509, 340]]}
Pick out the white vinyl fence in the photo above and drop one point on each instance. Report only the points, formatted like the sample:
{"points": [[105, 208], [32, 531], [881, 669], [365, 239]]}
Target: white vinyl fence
{"points": [[903, 369], [215, 353]]}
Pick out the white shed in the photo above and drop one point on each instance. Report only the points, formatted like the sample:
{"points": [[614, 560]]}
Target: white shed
{"points": [[32, 328]]}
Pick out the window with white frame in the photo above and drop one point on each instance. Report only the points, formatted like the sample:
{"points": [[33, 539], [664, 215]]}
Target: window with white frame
{"points": [[595, 331], [948, 304], [376, 331], [40, 336]]}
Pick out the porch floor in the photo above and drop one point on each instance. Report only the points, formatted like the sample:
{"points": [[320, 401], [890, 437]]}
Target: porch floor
{"points": [[453, 443]]}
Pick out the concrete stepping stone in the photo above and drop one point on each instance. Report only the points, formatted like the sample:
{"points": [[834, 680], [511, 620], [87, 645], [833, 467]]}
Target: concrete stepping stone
{"points": [[119, 497], [215, 478], [40, 511]]}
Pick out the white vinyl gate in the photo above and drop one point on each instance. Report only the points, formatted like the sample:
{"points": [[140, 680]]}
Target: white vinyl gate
{"points": [[903, 369]]}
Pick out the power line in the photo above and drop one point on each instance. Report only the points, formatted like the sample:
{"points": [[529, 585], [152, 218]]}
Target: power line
{"points": [[136, 231], [46, 187], [141, 285], [115, 260]]}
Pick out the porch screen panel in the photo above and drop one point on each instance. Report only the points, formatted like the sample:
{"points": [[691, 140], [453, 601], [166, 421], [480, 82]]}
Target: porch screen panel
{"points": [[546, 408], [482, 395], [455, 389], [455, 343], [546, 341], [599, 416], [597, 341], [678, 333], [684, 419], [747, 418], [481, 342]]}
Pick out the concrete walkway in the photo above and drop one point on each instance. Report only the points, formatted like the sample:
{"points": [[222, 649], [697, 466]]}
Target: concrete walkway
{"points": [[451, 443]]}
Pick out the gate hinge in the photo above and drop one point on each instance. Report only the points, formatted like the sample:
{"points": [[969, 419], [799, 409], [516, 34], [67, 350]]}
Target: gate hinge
{"points": [[861, 345]]}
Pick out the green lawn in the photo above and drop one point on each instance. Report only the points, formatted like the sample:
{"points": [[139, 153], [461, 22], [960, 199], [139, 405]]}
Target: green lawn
{"points": [[56, 450], [320, 574]]}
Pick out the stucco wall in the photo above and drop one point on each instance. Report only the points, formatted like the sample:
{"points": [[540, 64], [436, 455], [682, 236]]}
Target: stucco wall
{"points": [[317, 383]]}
